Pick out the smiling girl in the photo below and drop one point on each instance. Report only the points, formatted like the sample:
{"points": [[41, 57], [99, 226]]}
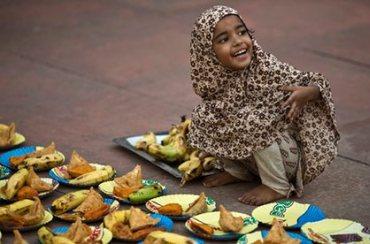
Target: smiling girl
{"points": [[262, 117]]}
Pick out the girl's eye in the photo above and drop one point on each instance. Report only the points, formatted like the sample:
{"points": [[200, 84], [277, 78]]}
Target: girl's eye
{"points": [[223, 40], [242, 32]]}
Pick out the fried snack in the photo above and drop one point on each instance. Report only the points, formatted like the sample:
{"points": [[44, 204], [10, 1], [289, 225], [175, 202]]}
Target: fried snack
{"points": [[202, 228], [93, 206], [198, 206], [140, 220], [15, 161], [162, 237], [34, 181], [128, 183], [122, 231], [228, 222], [78, 165], [7, 134], [18, 238], [171, 209], [26, 192], [278, 235], [78, 232]]}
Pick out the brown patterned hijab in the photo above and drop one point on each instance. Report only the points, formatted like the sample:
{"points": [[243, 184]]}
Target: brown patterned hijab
{"points": [[240, 111]]}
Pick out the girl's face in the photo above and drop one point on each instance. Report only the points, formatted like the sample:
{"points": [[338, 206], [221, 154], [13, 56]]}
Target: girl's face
{"points": [[232, 43]]}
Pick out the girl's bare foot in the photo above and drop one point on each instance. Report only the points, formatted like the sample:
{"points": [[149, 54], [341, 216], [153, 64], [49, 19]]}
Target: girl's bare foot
{"points": [[219, 179], [260, 195]]}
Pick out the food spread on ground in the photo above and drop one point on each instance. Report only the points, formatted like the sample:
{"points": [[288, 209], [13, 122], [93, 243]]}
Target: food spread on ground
{"points": [[25, 184], [162, 237], [7, 134], [277, 234], [88, 205], [42, 159]]}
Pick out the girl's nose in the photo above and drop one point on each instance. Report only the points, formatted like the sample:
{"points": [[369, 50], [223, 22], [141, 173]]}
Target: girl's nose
{"points": [[236, 40]]}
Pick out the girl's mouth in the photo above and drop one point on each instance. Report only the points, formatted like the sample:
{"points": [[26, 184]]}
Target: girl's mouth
{"points": [[240, 52]]}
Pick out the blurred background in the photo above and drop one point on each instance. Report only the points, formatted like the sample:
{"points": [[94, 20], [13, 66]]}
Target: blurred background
{"points": [[81, 73]]}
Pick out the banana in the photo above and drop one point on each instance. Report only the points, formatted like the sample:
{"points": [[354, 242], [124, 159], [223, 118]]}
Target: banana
{"points": [[168, 238], [209, 163], [95, 177], [45, 235], [191, 168], [44, 162], [18, 207], [68, 201], [15, 182], [144, 194], [115, 217], [176, 151], [147, 140], [61, 240]]}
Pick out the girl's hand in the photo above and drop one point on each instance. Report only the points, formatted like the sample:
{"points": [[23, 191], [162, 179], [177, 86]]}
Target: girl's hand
{"points": [[299, 97]]}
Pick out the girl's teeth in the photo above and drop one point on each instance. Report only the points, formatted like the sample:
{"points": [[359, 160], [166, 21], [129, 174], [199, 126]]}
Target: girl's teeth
{"points": [[240, 52]]}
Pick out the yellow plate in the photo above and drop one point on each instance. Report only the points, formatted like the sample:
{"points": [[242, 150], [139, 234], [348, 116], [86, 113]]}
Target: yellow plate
{"points": [[336, 231], [183, 199], [212, 218], [17, 140], [47, 218], [98, 233], [41, 194]]}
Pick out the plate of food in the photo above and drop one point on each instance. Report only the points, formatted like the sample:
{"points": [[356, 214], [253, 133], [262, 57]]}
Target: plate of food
{"points": [[4, 172], [9, 137], [276, 234], [79, 172], [336, 231], [168, 150], [78, 232], [89, 205], [292, 213], [40, 158], [132, 188], [134, 225], [169, 238], [221, 225], [24, 215], [181, 206], [26, 184]]}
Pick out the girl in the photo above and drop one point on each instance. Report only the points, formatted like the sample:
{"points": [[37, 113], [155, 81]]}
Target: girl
{"points": [[260, 116]]}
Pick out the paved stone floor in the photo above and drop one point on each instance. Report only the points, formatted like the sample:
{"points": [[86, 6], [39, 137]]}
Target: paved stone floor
{"points": [[80, 73]]}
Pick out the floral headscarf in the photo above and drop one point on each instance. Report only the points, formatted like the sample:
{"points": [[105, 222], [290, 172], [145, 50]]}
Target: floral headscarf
{"points": [[241, 111]]}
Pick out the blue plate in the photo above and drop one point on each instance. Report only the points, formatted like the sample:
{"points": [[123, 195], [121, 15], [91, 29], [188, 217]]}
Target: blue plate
{"points": [[164, 222], [5, 157], [4, 172], [264, 233]]}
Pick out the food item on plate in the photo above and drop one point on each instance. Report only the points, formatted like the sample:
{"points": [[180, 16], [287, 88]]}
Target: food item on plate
{"points": [[94, 177], [78, 165], [198, 206], [128, 183], [78, 233], [7, 134], [18, 238], [15, 182], [89, 207], [18, 207], [147, 140], [171, 209], [176, 151], [35, 182], [24, 184], [34, 214], [202, 228], [68, 201], [42, 159], [131, 224], [145, 194], [228, 222], [161, 237], [277, 234]]}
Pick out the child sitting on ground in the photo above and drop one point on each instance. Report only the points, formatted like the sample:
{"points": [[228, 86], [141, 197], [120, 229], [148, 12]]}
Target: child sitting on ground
{"points": [[260, 116]]}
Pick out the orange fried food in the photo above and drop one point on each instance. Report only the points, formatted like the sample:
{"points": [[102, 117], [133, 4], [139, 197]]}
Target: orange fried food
{"points": [[15, 161], [277, 235], [141, 234], [122, 231], [96, 213], [78, 232], [18, 238], [78, 165], [140, 220], [202, 228], [7, 134], [172, 209], [228, 222], [93, 202], [128, 183], [26, 192], [34, 181]]}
